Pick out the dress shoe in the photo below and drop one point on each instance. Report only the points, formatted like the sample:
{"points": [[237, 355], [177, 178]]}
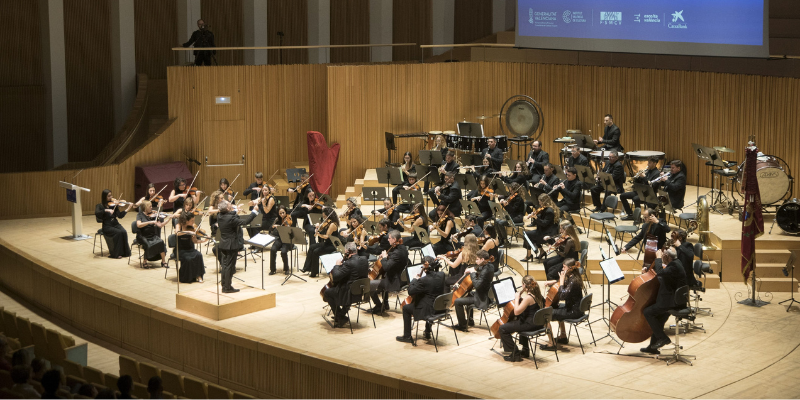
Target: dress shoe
{"points": [[405, 339], [597, 210], [524, 353], [461, 328], [471, 322], [272, 272], [626, 218], [528, 258], [312, 276], [231, 290], [661, 343], [286, 272], [514, 357], [649, 350], [376, 310], [562, 340], [427, 335], [546, 347]]}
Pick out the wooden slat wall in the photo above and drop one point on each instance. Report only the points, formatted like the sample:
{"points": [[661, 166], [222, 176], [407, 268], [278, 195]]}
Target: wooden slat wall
{"points": [[224, 18], [255, 366], [473, 20], [21, 46], [655, 109], [90, 105], [23, 119], [291, 18], [155, 27], [350, 25], [411, 23]]}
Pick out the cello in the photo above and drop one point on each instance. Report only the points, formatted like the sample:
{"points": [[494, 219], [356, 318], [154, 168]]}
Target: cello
{"points": [[628, 321], [464, 285], [377, 268], [410, 299]]}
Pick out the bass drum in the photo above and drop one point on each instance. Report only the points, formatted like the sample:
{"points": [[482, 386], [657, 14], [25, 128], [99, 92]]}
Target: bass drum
{"points": [[773, 182], [788, 216]]}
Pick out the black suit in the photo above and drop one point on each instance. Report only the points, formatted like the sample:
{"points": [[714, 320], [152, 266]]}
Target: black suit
{"points": [[479, 296], [343, 276], [617, 172], [495, 157], [611, 138], [536, 168], [449, 196], [660, 230], [581, 160], [424, 290], [675, 186], [393, 266], [646, 179], [670, 279], [251, 192], [571, 195], [232, 240], [202, 38]]}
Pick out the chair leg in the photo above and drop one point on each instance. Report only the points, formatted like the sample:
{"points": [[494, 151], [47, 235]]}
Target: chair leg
{"points": [[349, 321], [436, 345], [452, 325], [416, 333]]}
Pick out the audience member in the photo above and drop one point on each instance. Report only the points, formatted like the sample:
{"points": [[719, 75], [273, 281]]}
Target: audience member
{"points": [[155, 388], [88, 390], [21, 375], [106, 394], [51, 381], [125, 385], [4, 350], [20, 357], [38, 368]]}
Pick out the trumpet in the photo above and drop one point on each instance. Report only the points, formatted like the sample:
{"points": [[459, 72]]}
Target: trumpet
{"points": [[660, 178], [640, 173]]}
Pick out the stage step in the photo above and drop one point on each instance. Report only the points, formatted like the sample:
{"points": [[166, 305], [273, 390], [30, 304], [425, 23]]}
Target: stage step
{"points": [[596, 277], [770, 270], [772, 256], [777, 285]]}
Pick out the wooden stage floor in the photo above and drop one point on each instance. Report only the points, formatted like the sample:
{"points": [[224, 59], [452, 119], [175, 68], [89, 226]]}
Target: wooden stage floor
{"points": [[745, 352]]}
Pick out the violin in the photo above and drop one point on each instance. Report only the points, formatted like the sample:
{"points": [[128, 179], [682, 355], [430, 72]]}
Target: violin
{"points": [[460, 235], [411, 217], [559, 242], [377, 268], [116, 203], [453, 254], [410, 299], [287, 220], [157, 199], [375, 239], [536, 212]]}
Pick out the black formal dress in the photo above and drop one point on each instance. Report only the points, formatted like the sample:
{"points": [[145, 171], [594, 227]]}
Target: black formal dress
{"points": [[570, 293], [343, 276], [424, 291], [611, 136], [320, 248], [149, 239], [545, 226], [618, 175], [632, 195], [393, 218], [686, 257], [670, 279], [478, 297], [393, 267], [516, 210], [396, 190], [283, 248], [232, 240], [192, 265], [413, 241], [115, 235], [523, 323], [444, 244], [553, 265]]}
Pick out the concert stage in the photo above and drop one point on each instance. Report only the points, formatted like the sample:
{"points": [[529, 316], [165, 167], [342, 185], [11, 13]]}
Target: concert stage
{"points": [[290, 351]]}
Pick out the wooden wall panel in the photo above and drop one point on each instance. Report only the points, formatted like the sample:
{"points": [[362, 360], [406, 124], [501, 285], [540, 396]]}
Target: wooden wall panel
{"points": [[291, 18], [350, 25], [24, 122], [411, 23], [473, 20], [155, 29], [224, 18], [90, 105], [655, 109], [21, 46]]}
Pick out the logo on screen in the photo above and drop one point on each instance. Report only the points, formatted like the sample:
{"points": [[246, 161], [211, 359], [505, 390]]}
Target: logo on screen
{"points": [[677, 15], [530, 15], [567, 16], [610, 18]]}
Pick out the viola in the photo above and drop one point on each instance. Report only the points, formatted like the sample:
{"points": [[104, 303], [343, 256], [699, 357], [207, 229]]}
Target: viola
{"points": [[377, 268]]}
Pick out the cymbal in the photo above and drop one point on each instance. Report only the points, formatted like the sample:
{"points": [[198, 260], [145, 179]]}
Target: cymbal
{"points": [[724, 149], [488, 117]]}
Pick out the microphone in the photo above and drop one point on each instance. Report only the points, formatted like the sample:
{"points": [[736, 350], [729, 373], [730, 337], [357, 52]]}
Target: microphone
{"points": [[193, 160]]}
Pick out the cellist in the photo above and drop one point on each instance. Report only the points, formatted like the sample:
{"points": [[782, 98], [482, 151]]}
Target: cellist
{"points": [[352, 268], [424, 290], [652, 226], [393, 261], [670, 278], [570, 290], [526, 302], [481, 276]]}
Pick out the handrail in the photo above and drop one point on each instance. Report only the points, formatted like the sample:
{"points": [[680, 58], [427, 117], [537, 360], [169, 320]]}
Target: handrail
{"points": [[432, 46], [329, 46]]}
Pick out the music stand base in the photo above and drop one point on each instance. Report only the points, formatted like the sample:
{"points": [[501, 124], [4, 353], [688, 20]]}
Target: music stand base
{"points": [[81, 237], [791, 302], [753, 303]]}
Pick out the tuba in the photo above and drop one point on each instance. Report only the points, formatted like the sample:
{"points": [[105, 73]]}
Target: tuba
{"points": [[701, 224]]}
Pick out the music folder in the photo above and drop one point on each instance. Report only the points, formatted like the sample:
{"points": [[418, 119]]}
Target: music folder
{"points": [[612, 270], [504, 290]]}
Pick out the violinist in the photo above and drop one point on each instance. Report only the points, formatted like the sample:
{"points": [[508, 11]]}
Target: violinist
{"points": [[548, 181], [447, 195], [424, 290], [466, 257], [518, 176], [277, 245], [224, 187], [213, 210], [389, 211], [652, 226], [192, 269], [483, 170], [180, 193], [493, 154], [351, 209], [544, 219], [107, 212], [307, 205], [537, 158], [267, 205], [327, 228], [254, 190], [382, 239], [444, 225], [393, 260], [418, 219], [570, 291], [645, 176], [231, 241], [481, 275], [449, 165], [571, 191], [352, 268], [154, 200], [356, 233], [470, 226], [150, 225], [406, 168], [526, 302], [567, 246], [302, 190], [188, 207], [410, 184], [514, 205], [613, 167], [491, 244], [481, 196], [576, 158], [670, 278]]}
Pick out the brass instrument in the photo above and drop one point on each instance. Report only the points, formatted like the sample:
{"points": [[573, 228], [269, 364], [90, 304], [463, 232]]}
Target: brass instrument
{"points": [[702, 223]]}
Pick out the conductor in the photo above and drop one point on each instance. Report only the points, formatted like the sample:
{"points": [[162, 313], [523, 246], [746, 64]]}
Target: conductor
{"points": [[202, 37], [232, 240]]}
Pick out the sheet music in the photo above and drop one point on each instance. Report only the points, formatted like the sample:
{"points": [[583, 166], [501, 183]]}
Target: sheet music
{"points": [[261, 240], [329, 261], [504, 290], [427, 251], [612, 270], [413, 271]]}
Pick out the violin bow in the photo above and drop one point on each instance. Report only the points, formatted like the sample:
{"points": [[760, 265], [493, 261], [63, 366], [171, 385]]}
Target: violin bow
{"points": [[193, 179], [159, 192], [273, 175], [115, 205]]}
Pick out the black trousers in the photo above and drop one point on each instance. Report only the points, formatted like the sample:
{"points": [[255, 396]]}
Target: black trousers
{"points": [[461, 309], [228, 262], [203, 57], [277, 245], [552, 266], [338, 312], [312, 256], [656, 316], [629, 196], [515, 326], [595, 191], [485, 216], [408, 313], [377, 286]]}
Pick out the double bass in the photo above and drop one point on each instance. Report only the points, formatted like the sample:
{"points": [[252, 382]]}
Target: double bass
{"points": [[628, 320]]}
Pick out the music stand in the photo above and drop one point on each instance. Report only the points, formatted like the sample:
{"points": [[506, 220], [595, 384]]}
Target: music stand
{"points": [[373, 194], [470, 129], [469, 207], [261, 241], [611, 274], [389, 176], [74, 197], [607, 182], [326, 200], [293, 175], [411, 197], [315, 218], [372, 228], [294, 236], [645, 193], [790, 265], [466, 182], [282, 201], [499, 188], [583, 141], [430, 157], [534, 193], [389, 136], [528, 259]]}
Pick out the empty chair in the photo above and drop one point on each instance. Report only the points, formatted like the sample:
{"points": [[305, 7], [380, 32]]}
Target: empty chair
{"points": [[10, 324], [359, 290], [140, 390], [40, 340], [129, 366], [194, 389], [586, 307], [172, 382], [147, 371], [629, 229], [240, 395], [609, 202], [24, 331], [111, 381], [218, 392], [72, 368], [94, 376]]}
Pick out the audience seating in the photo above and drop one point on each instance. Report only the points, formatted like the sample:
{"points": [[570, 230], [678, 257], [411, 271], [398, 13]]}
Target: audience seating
{"points": [[172, 382], [194, 389], [147, 371], [129, 366], [94, 376], [218, 392], [140, 390]]}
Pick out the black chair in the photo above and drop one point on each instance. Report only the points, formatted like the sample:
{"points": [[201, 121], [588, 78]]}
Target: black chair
{"points": [[359, 290], [405, 279], [681, 296], [541, 318], [172, 242], [441, 307], [424, 239], [135, 231], [610, 202], [629, 229], [686, 217], [100, 235], [586, 307], [482, 317], [584, 259]]}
